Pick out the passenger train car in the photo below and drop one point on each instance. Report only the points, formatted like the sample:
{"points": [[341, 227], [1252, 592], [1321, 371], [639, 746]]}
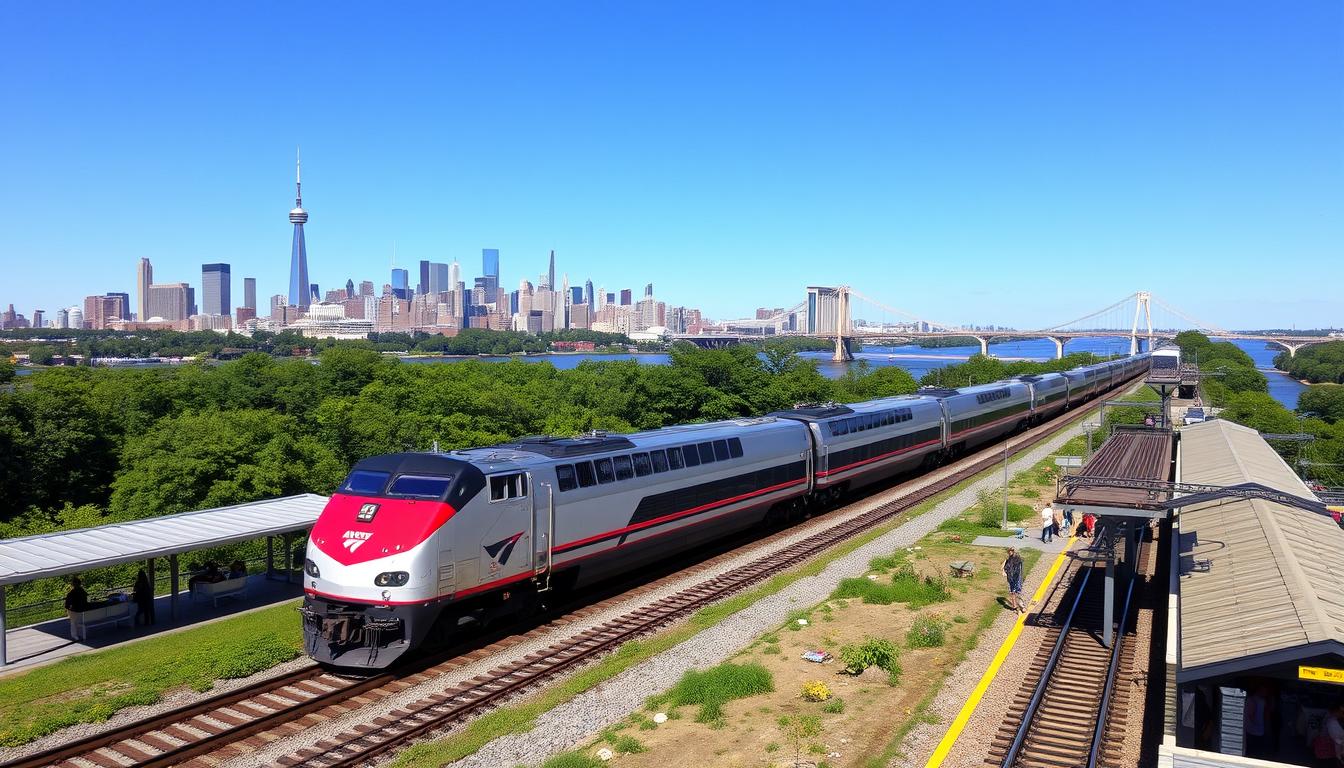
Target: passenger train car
{"points": [[412, 544]]}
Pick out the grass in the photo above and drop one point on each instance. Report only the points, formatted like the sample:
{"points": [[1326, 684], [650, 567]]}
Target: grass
{"points": [[91, 687], [834, 707], [625, 744], [927, 632], [905, 587], [716, 686], [572, 760]]}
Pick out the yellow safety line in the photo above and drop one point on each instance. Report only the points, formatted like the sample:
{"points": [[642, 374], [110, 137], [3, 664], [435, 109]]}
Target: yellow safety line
{"points": [[967, 709]]}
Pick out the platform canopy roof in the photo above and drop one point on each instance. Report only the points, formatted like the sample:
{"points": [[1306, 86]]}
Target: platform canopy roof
{"points": [[65, 552], [1273, 590]]}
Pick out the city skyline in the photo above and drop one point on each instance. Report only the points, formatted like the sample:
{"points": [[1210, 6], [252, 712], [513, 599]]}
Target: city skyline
{"points": [[879, 147]]}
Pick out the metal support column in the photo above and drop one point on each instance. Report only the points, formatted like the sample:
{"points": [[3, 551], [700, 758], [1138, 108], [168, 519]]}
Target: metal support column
{"points": [[4, 648], [172, 586], [270, 558], [289, 558], [1108, 602]]}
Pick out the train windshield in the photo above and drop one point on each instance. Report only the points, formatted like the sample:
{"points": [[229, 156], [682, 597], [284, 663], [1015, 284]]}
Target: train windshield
{"points": [[421, 486], [365, 483]]}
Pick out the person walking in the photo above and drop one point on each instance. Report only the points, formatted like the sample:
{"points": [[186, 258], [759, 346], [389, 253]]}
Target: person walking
{"points": [[1012, 571], [143, 595], [1068, 521], [1047, 524]]}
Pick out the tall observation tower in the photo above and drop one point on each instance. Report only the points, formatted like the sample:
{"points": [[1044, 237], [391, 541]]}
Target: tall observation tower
{"points": [[298, 257]]}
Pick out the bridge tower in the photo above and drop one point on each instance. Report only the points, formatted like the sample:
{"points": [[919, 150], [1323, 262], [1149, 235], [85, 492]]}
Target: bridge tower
{"points": [[843, 353], [1142, 303]]}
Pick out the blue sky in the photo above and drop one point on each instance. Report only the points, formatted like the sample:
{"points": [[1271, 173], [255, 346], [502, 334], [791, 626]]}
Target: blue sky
{"points": [[970, 162]]}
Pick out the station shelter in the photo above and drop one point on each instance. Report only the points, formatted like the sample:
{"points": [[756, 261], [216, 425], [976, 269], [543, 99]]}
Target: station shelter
{"points": [[68, 553], [1255, 623]]}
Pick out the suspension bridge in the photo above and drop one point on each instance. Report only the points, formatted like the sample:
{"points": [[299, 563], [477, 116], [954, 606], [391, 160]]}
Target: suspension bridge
{"points": [[845, 315]]}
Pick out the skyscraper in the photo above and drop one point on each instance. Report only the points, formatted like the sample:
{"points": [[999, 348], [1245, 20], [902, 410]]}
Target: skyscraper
{"points": [[250, 292], [625, 297], [401, 283], [490, 271], [349, 288], [648, 291], [550, 272], [438, 279], [454, 275], [587, 293], [169, 301], [216, 287], [423, 285], [298, 257], [144, 277]]}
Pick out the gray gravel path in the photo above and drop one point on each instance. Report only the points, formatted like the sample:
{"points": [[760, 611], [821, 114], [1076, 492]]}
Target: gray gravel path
{"points": [[584, 716]]}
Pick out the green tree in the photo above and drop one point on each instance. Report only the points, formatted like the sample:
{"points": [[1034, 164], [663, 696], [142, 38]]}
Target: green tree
{"points": [[41, 354], [1326, 402], [7, 371]]}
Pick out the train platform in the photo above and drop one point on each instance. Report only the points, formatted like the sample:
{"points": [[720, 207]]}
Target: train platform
{"points": [[49, 641], [147, 542]]}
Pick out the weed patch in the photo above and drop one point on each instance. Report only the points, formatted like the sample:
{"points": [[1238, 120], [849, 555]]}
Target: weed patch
{"points": [[927, 632], [719, 685], [905, 587]]}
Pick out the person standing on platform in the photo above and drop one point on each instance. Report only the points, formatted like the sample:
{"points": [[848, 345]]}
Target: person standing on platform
{"points": [[143, 595], [76, 601], [1068, 521], [1012, 571], [1047, 524]]}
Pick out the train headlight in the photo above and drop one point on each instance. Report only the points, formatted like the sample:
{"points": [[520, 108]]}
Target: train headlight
{"points": [[310, 568], [392, 579]]}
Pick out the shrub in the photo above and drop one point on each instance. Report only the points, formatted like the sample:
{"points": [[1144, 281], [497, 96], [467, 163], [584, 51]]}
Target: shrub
{"points": [[834, 707], [714, 687], [800, 729], [872, 652], [815, 690], [927, 632]]}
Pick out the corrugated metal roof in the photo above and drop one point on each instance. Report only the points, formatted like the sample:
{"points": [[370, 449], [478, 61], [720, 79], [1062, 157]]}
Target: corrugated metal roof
{"points": [[1275, 584], [65, 552]]}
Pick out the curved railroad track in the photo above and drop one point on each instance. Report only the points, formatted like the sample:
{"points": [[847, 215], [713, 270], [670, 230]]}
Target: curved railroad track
{"points": [[236, 723]]}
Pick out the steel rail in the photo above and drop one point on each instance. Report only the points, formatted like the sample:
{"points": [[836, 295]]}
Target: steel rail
{"points": [[1112, 671]]}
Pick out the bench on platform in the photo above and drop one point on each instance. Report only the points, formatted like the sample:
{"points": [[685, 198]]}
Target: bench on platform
{"points": [[112, 613], [962, 569], [218, 590]]}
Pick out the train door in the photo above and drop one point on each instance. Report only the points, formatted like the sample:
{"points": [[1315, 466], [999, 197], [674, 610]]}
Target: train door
{"points": [[505, 553], [543, 531]]}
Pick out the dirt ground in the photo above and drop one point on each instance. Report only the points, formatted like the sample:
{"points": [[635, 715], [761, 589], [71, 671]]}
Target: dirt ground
{"points": [[873, 708]]}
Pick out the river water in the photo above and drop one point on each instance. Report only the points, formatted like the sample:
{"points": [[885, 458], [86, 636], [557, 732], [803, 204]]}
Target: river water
{"points": [[920, 361]]}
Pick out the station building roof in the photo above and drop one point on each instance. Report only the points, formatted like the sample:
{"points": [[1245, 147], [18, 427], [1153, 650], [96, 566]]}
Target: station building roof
{"points": [[1132, 453], [1273, 591], [65, 552]]}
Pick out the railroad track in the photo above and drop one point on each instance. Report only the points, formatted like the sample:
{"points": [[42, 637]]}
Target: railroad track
{"points": [[289, 704], [1072, 709]]}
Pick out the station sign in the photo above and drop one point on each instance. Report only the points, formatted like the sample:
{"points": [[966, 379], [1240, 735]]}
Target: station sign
{"points": [[1321, 674], [1069, 461]]}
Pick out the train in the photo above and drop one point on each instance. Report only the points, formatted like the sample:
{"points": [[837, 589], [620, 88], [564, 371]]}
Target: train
{"points": [[412, 546]]}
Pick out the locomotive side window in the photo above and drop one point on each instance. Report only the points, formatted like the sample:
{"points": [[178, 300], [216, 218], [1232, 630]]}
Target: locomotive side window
{"points": [[659, 461], [839, 427], [420, 487], [691, 455], [587, 478], [605, 474], [735, 447], [642, 465], [511, 486], [720, 450], [362, 481], [623, 469], [674, 458], [706, 453], [565, 475]]}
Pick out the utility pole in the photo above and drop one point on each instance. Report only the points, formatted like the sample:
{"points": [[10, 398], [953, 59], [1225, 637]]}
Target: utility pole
{"points": [[1005, 483]]}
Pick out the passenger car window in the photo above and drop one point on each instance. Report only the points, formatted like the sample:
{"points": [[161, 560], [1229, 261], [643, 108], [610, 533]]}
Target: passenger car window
{"points": [[642, 466], [691, 455], [623, 468], [585, 472], [605, 474], [659, 461], [564, 475], [706, 453], [735, 447], [674, 458], [721, 450]]}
